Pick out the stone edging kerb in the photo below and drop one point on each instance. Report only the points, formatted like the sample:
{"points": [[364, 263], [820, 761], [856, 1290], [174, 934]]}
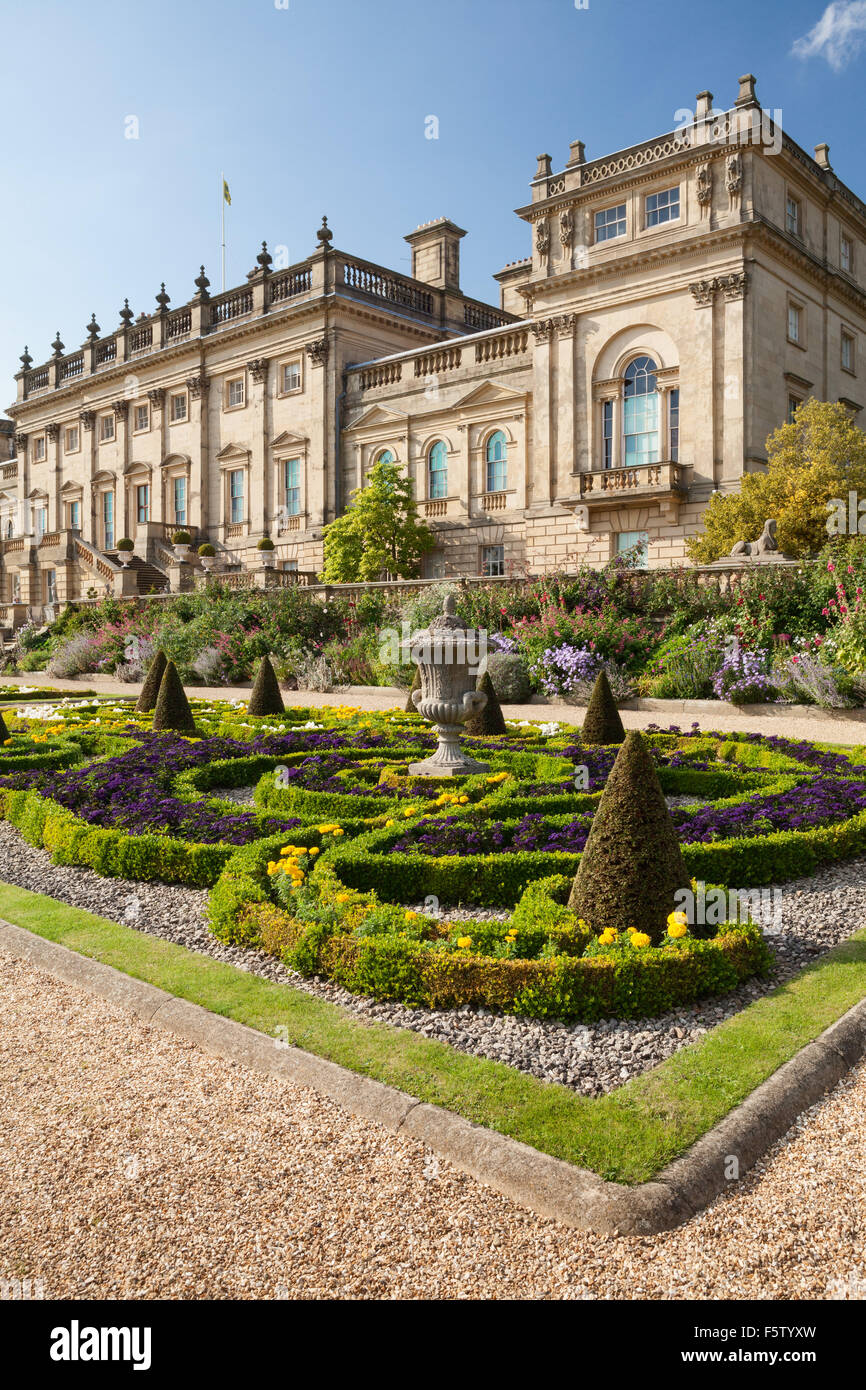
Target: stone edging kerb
{"points": [[546, 1185]]}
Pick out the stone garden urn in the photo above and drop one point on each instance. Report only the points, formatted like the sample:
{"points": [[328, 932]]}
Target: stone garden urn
{"points": [[446, 658]]}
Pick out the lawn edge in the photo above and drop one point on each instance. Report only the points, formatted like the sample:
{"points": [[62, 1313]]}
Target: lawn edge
{"points": [[546, 1185]]}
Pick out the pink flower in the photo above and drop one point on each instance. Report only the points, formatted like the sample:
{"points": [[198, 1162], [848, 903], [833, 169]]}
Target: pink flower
{"points": [[830, 566]]}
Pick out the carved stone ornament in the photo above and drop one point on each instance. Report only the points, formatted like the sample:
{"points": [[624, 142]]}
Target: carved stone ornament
{"points": [[318, 351], [258, 368], [88, 419], [21, 442], [733, 174], [705, 185], [733, 286], [156, 396], [447, 662], [565, 324], [702, 292], [52, 430], [542, 236], [566, 226], [542, 329], [197, 386], [764, 550], [120, 409]]}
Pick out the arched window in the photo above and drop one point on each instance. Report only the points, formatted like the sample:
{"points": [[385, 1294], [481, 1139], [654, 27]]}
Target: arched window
{"points": [[641, 413], [10, 529], [385, 457], [497, 463], [437, 470]]}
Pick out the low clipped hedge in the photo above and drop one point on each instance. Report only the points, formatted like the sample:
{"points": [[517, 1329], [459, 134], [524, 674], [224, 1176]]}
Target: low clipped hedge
{"points": [[50, 756], [114, 853], [566, 987]]}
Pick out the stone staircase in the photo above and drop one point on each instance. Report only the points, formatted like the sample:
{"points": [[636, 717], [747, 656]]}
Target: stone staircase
{"points": [[149, 578]]}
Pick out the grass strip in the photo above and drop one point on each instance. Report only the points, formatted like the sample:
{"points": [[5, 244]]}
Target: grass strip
{"points": [[627, 1136]]}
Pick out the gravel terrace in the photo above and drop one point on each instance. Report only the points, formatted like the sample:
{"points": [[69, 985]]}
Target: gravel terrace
{"points": [[133, 1165], [817, 913]]}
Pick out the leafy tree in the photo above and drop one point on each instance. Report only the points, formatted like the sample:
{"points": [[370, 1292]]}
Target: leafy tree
{"points": [[819, 456], [380, 535]]}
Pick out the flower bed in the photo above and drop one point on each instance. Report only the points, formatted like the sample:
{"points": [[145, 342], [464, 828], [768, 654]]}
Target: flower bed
{"points": [[331, 867]]}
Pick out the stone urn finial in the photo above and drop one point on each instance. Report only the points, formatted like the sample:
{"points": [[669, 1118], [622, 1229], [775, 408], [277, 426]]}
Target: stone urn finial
{"points": [[447, 657]]}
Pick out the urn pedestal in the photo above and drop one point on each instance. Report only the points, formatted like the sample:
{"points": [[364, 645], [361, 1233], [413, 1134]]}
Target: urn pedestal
{"points": [[447, 697]]}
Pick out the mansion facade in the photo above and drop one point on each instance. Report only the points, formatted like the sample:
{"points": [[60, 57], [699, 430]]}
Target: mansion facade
{"points": [[681, 298]]}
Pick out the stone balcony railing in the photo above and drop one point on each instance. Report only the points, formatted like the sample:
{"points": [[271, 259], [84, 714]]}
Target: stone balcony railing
{"points": [[325, 273], [459, 357], [611, 485]]}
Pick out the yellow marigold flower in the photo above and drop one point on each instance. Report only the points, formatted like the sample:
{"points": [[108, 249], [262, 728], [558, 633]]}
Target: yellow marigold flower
{"points": [[463, 800], [608, 936], [410, 916], [314, 850], [677, 919], [676, 929], [389, 822], [640, 938], [343, 897], [464, 941], [335, 830]]}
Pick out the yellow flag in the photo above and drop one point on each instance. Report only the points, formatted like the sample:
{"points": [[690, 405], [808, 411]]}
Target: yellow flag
{"points": [[226, 195]]}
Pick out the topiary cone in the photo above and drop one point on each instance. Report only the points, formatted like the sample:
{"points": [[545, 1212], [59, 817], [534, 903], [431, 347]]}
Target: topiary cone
{"points": [[602, 723], [172, 707], [265, 697], [4, 732], [632, 864], [153, 680], [490, 719], [416, 685]]}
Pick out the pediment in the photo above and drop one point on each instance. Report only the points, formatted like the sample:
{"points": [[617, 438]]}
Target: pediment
{"points": [[490, 393], [288, 439], [231, 453], [379, 415], [71, 487]]}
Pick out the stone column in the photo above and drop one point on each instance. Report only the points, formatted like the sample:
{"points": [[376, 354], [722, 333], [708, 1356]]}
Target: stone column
{"points": [[540, 493], [262, 507]]}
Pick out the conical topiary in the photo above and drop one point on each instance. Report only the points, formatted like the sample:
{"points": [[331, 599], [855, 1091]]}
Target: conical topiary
{"points": [[265, 697], [4, 732], [489, 720], [416, 685], [153, 680], [632, 864], [602, 723], [172, 707]]}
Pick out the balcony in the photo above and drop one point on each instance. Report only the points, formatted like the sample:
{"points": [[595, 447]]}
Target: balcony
{"points": [[664, 483]]}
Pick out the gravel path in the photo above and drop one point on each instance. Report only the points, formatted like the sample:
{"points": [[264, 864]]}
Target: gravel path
{"points": [[133, 1165], [817, 913]]}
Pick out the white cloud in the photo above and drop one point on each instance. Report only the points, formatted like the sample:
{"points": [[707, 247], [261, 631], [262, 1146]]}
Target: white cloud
{"points": [[838, 34]]}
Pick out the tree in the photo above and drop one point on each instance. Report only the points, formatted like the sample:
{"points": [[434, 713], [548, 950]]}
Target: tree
{"points": [[602, 723], [632, 864], [153, 680], [818, 457], [380, 536], [265, 697], [172, 707]]}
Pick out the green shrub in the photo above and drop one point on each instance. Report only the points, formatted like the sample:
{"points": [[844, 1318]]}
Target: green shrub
{"points": [[602, 723], [152, 681], [510, 677], [172, 707], [265, 697], [632, 864]]}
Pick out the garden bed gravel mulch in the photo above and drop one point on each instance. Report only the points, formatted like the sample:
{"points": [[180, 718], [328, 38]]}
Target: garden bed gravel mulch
{"points": [[817, 913]]}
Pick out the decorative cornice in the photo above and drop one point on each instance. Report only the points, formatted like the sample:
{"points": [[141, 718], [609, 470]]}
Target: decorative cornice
{"points": [[317, 351], [197, 385]]}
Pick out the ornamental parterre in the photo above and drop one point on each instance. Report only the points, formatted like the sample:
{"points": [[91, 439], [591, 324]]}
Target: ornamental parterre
{"points": [[345, 866]]}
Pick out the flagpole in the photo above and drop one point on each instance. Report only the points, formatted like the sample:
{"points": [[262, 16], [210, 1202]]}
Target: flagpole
{"points": [[223, 224]]}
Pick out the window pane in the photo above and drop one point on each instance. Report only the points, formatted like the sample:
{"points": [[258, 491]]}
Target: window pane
{"points": [[609, 223], [180, 501], [675, 425], [497, 463], [291, 376], [607, 434], [628, 540], [437, 470], [662, 207], [292, 485], [236, 496], [493, 560]]}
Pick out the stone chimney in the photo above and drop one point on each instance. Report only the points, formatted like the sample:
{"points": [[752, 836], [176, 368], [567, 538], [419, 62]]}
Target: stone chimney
{"points": [[436, 253], [822, 155], [703, 105]]}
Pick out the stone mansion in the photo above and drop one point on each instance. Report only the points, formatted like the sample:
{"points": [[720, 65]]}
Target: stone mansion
{"points": [[682, 296]]}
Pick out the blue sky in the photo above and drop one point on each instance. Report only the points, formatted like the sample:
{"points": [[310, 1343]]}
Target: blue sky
{"points": [[322, 107]]}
